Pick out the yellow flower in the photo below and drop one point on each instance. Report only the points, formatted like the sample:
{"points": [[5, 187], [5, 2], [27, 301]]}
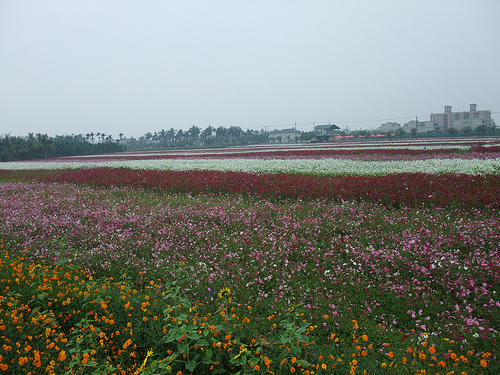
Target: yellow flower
{"points": [[244, 350], [224, 293], [141, 369]]}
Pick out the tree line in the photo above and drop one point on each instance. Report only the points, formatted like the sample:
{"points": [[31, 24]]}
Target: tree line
{"points": [[41, 146], [196, 137]]}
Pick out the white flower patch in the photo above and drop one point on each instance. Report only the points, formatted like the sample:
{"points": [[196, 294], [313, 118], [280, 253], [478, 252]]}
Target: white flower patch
{"points": [[305, 166]]}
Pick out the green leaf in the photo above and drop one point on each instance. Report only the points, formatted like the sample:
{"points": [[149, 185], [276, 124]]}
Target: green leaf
{"points": [[206, 361], [303, 339], [182, 347], [193, 336], [191, 365], [303, 363], [295, 350], [208, 353]]}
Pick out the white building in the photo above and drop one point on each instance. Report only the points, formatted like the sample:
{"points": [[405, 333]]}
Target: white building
{"points": [[388, 127], [421, 126], [448, 118], [284, 136]]}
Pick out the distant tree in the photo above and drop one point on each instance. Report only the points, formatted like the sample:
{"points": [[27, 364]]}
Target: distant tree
{"points": [[221, 133], [5, 148], [414, 132], [234, 132], [482, 129], [171, 133], [307, 136], [31, 144], [206, 134], [467, 130], [452, 131], [194, 134], [45, 143], [180, 136]]}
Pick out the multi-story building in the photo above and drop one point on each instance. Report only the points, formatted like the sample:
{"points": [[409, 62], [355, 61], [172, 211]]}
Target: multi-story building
{"points": [[447, 119]]}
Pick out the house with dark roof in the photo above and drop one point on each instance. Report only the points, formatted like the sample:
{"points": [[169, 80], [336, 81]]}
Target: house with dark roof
{"points": [[325, 133]]}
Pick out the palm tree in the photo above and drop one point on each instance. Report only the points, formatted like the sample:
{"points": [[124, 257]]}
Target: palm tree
{"points": [[44, 142], [194, 133], [5, 148], [206, 134]]}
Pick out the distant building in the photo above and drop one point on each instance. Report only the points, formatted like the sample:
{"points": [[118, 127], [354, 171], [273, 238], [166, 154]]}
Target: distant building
{"points": [[284, 136], [421, 126], [326, 133], [447, 119], [388, 127]]}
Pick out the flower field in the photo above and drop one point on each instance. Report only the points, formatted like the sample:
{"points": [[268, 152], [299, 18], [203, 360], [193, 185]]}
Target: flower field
{"points": [[156, 271]]}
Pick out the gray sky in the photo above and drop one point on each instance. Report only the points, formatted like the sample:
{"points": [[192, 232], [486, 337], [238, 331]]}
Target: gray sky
{"points": [[80, 66]]}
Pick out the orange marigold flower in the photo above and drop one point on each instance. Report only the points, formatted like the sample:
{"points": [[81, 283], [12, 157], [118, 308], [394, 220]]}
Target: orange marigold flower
{"points": [[23, 360], [127, 344], [484, 363]]}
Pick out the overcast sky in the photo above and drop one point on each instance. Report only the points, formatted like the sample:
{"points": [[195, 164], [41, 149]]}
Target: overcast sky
{"points": [[123, 66]]}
